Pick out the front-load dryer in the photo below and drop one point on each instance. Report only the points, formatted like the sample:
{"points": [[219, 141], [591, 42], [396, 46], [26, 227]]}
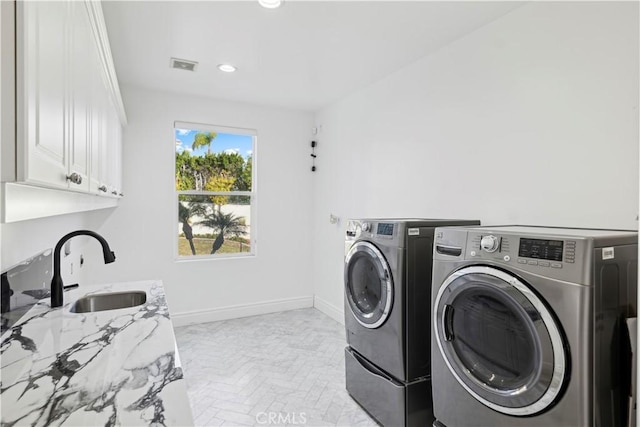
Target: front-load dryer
{"points": [[387, 283], [529, 326]]}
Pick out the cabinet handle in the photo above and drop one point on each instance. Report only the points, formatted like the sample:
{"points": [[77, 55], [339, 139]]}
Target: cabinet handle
{"points": [[103, 188], [75, 178]]}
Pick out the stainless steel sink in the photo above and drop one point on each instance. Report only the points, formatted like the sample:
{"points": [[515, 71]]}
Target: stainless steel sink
{"points": [[109, 301]]}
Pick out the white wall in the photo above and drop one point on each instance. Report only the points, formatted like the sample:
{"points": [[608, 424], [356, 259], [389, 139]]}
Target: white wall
{"points": [[142, 229], [23, 239], [532, 119]]}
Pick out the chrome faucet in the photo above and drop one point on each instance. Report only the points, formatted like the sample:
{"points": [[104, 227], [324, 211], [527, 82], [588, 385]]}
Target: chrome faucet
{"points": [[57, 286]]}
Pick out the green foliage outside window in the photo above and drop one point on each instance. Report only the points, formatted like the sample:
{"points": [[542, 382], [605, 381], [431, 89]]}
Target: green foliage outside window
{"points": [[198, 172]]}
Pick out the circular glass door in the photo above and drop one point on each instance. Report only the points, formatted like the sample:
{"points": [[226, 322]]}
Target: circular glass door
{"points": [[500, 341], [368, 284]]}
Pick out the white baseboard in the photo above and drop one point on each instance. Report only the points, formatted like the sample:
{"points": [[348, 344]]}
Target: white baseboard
{"points": [[329, 309], [236, 311]]}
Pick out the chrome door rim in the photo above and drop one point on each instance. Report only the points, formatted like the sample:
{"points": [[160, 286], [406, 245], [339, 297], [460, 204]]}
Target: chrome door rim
{"points": [[559, 362], [364, 246]]}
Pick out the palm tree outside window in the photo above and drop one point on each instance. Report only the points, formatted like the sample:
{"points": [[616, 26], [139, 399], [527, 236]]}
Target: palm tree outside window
{"points": [[215, 191]]}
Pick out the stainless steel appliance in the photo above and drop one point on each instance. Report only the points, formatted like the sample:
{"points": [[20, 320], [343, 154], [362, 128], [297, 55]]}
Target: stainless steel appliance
{"points": [[529, 326], [387, 278]]}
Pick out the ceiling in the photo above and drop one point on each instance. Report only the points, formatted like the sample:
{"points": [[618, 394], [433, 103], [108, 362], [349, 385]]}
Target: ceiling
{"points": [[304, 55]]}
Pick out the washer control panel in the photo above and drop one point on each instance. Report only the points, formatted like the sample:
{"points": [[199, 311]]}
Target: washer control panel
{"points": [[385, 229], [371, 229]]}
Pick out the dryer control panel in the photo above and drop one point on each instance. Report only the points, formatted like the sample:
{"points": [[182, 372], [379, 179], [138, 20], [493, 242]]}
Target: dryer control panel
{"points": [[543, 252], [559, 257], [531, 251]]}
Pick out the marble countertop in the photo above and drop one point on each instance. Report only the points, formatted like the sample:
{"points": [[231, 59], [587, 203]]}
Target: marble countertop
{"points": [[115, 367]]}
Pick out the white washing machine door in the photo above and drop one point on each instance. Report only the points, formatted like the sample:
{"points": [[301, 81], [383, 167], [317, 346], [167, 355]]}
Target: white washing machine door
{"points": [[500, 341], [368, 284]]}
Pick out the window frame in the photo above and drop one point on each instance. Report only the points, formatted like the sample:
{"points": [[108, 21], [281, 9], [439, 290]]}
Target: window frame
{"points": [[253, 252]]}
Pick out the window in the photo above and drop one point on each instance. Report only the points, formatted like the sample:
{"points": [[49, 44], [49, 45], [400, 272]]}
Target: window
{"points": [[215, 191]]}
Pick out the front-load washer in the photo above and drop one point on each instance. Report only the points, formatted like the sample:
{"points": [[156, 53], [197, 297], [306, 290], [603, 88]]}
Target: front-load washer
{"points": [[529, 326], [387, 283]]}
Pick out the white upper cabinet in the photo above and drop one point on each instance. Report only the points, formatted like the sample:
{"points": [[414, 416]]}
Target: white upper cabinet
{"points": [[69, 110]]}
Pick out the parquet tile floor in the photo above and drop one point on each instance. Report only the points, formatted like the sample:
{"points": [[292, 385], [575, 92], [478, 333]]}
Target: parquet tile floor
{"points": [[276, 369]]}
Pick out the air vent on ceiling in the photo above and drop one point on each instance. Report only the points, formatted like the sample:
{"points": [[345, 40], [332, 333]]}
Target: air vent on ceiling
{"points": [[183, 64]]}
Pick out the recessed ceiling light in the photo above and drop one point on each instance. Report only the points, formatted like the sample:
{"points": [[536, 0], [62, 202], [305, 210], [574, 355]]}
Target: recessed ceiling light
{"points": [[227, 68], [270, 4]]}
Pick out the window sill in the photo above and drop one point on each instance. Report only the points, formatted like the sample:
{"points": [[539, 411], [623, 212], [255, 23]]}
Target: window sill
{"points": [[221, 257]]}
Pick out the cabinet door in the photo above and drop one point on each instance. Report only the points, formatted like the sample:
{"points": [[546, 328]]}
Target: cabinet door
{"points": [[98, 129], [104, 146], [118, 155], [42, 101], [113, 152], [81, 69], [105, 139]]}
